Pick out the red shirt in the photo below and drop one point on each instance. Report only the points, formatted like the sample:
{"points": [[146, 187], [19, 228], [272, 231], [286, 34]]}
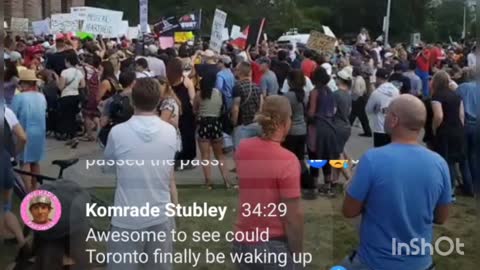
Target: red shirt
{"points": [[423, 63], [256, 73], [308, 67], [267, 173]]}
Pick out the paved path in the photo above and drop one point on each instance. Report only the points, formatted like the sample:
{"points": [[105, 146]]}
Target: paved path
{"points": [[96, 177]]}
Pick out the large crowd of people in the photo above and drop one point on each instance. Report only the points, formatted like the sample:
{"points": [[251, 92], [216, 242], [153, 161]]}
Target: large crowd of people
{"points": [[272, 106]]}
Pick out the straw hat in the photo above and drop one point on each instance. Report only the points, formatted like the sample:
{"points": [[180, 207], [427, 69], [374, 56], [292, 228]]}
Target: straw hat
{"points": [[27, 75]]}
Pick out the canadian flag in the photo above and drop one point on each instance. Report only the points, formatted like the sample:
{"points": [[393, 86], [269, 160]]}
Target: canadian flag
{"points": [[241, 42]]}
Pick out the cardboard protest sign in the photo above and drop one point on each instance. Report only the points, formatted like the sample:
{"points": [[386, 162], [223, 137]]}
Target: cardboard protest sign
{"points": [[321, 43], [182, 37], [98, 21], [19, 25], [216, 38], [41, 27], [63, 23]]}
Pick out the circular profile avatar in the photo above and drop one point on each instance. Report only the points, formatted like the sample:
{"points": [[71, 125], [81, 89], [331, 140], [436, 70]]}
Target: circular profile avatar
{"points": [[40, 210]]}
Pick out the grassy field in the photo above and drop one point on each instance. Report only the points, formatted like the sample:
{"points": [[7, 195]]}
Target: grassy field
{"points": [[328, 236]]}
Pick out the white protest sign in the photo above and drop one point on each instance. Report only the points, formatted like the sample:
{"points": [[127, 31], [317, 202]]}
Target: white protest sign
{"points": [[132, 33], [236, 32], [122, 29], [216, 38], [225, 34], [143, 15], [63, 23], [98, 21], [5, 24], [329, 33], [19, 25], [41, 27]]}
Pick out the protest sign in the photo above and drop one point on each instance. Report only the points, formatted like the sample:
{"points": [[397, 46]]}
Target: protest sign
{"points": [[63, 23], [415, 39], [41, 27], [236, 32], [328, 31], [168, 24], [216, 38], [225, 34], [143, 15], [321, 43], [5, 24], [98, 21], [166, 42], [122, 29], [182, 37], [191, 21], [132, 33], [19, 25]]}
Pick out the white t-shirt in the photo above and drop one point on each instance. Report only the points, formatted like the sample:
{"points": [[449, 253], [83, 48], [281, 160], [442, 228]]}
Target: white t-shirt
{"points": [[72, 77], [11, 118], [156, 66], [472, 60], [142, 139], [143, 74]]}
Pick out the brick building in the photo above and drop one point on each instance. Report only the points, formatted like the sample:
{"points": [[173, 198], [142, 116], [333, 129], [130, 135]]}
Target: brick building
{"points": [[37, 9]]}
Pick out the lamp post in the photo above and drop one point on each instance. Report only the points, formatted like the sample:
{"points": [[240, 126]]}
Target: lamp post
{"points": [[387, 27]]}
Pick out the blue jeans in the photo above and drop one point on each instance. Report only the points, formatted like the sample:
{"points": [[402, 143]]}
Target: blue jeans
{"points": [[471, 170], [353, 262], [245, 132], [425, 77]]}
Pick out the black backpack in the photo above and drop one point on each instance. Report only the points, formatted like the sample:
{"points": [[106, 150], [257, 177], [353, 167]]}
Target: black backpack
{"points": [[120, 111]]}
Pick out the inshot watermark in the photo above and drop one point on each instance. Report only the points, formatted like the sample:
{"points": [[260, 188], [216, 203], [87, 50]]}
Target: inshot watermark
{"points": [[443, 246]]}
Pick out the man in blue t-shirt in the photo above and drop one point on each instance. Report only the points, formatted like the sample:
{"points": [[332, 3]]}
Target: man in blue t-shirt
{"points": [[400, 190]]}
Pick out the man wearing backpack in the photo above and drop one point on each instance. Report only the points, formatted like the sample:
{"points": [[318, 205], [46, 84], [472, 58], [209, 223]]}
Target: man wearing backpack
{"points": [[118, 108]]}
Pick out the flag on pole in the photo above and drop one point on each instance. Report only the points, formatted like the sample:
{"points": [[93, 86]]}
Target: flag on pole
{"points": [[241, 41]]}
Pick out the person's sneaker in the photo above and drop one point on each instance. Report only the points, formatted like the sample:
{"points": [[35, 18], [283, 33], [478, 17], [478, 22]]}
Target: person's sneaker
{"points": [[366, 135], [309, 194]]}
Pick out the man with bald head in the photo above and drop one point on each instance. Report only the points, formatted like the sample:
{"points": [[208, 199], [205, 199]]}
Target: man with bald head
{"points": [[400, 190]]}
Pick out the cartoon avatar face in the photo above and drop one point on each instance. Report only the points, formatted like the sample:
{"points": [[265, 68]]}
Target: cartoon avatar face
{"points": [[339, 164], [317, 164], [40, 213]]}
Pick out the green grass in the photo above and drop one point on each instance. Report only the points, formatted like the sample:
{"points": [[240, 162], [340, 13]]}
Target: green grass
{"points": [[328, 236]]}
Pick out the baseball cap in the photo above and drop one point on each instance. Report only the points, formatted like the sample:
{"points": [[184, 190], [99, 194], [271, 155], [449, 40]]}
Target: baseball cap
{"points": [[345, 74], [40, 200], [225, 59], [383, 73]]}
